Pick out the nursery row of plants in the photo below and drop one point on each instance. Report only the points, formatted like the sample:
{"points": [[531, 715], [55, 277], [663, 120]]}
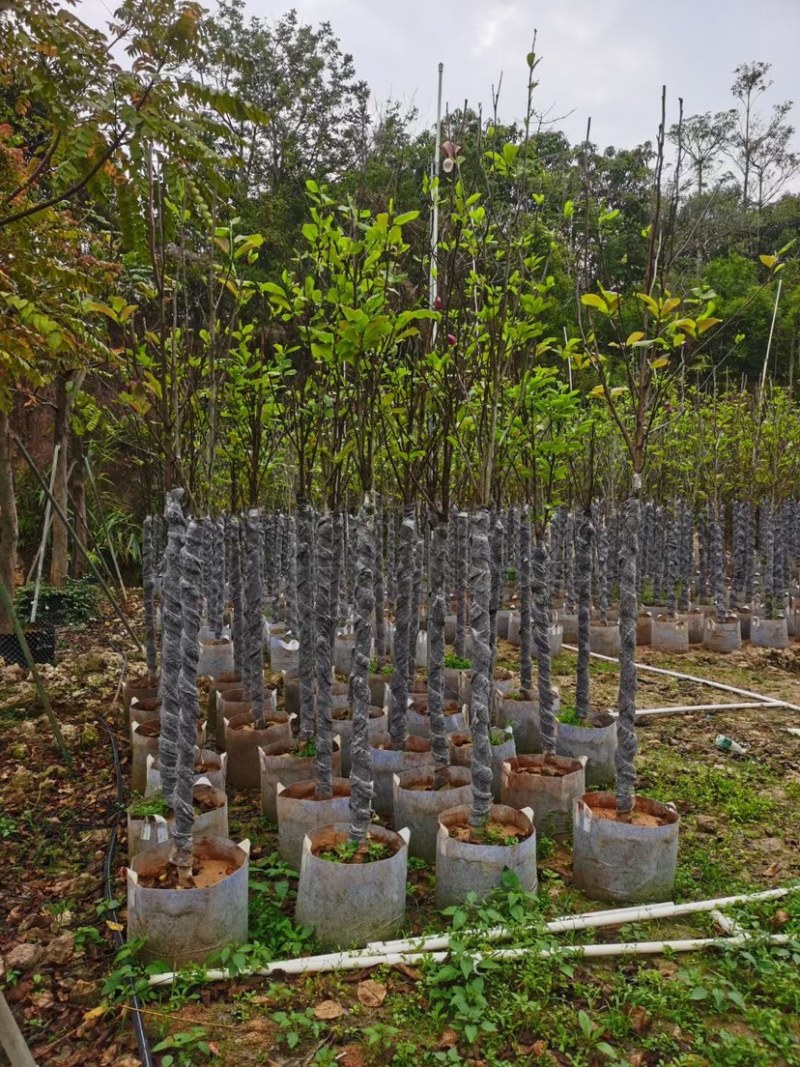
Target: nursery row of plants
{"points": [[465, 760], [423, 408]]}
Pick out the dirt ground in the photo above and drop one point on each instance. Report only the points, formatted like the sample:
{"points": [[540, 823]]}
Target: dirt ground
{"points": [[740, 831]]}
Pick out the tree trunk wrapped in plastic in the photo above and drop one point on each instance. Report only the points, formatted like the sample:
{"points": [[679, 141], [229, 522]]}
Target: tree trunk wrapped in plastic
{"points": [[480, 584], [436, 622], [191, 599], [254, 617], [361, 782], [172, 627], [327, 574], [305, 608], [626, 703]]}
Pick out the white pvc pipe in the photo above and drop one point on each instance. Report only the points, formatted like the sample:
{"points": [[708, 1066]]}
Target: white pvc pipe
{"points": [[346, 962], [390, 953], [590, 919], [771, 701], [636, 948], [687, 709]]}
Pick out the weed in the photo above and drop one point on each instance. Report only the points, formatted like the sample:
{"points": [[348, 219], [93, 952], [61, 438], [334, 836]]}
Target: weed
{"points": [[146, 807], [183, 1048], [457, 663], [8, 826], [368, 851]]}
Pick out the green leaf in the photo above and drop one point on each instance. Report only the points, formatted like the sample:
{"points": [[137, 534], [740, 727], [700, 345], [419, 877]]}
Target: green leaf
{"points": [[404, 219], [594, 301]]}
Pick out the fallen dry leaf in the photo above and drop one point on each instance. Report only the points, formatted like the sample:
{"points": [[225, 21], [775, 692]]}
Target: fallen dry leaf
{"points": [[773, 869], [640, 1019], [538, 1048], [449, 1039], [259, 1026], [351, 1056], [371, 993], [329, 1009], [409, 972]]}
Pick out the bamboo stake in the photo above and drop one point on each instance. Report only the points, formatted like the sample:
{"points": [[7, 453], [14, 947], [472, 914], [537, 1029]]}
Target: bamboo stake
{"points": [[8, 606], [11, 1036], [48, 515], [81, 547]]}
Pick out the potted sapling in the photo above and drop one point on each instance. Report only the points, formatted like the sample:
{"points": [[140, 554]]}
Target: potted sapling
{"points": [[547, 783], [501, 337], [625, 846], [303, 804], [519, 707], [670, 631], [216, 648], [722, 630], [421, 794], [769, 628], [249, 731], [187, 896], [353, 877]]}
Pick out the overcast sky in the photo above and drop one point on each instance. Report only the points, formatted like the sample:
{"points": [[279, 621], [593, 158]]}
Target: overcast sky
{"points": [[606, 60]]}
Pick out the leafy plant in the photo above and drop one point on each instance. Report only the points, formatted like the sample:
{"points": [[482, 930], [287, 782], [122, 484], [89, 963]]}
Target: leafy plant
{"points": [[457, 663], [369, 851], [75, 604], [145, 807], [182, 1048], [8, 826]]}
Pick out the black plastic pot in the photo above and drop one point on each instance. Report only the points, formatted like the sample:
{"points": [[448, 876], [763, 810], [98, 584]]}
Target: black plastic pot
{"points": [[41, 641]]}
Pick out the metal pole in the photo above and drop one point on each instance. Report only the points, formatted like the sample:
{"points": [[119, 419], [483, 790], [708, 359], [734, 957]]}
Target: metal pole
{"points": [[433, 284], [81, 547], [48, 513], [769, 340]]}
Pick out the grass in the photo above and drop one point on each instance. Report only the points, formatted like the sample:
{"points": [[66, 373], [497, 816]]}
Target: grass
{"points": [[736, 1007]]}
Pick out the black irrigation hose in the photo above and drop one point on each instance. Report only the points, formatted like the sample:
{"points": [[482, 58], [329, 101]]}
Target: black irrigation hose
{"points": [[145, 1054]]}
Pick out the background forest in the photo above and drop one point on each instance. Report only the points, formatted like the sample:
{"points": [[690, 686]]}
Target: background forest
{"points": [[215, 272]]}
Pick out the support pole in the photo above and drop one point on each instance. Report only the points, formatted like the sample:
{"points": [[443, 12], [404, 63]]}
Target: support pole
{"points": [[81, 548], [433, 282], [48, 514], [11, 1038]]}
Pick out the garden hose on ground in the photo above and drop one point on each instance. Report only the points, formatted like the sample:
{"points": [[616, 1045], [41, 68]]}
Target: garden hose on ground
{"points": [[145, 1054]]}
